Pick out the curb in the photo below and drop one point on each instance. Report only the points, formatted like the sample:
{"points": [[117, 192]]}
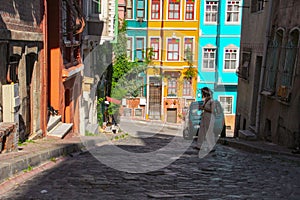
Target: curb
{"points": [[13, 167], [243, 145]]}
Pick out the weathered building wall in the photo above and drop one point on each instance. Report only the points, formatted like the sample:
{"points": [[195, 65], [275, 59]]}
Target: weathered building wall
{"points": [[253, 36], [22, 38], [280, 119]]}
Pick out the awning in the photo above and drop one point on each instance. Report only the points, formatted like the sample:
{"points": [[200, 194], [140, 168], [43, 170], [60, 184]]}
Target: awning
{"points": [[112, 100]]}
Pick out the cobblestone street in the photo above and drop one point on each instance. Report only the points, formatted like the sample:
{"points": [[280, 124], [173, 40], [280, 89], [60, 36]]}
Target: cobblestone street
{"points": [[226, 173]]}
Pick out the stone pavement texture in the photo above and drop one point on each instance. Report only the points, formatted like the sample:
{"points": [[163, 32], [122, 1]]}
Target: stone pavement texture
{"points": [[42, 151], [228, 173]]}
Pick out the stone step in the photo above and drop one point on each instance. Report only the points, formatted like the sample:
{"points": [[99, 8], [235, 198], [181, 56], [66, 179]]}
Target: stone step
{"points": [[247, 135], [53, 121], [61, 130]]}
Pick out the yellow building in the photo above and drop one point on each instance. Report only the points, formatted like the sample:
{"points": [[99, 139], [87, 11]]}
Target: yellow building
{"points": [[173, 35]]}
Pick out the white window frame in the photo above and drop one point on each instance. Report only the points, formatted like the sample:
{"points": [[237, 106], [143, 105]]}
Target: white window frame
{"points": [[132, 42], [204, 59], [175, 80], [211, 12], [144, 9], [180, 10], [195, 8], [224, 106], [159, 46], [230, 59], [160, 10], [179, 49], [193, 50], [132, 9], [239, 12], [103, 13]]}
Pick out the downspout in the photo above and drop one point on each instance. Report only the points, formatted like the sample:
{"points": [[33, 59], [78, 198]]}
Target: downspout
{"points": [[217, 61], [161, 60], [44, 78], [258, 108]]}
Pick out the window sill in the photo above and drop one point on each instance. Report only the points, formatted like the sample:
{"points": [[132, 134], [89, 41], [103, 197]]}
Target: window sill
{"points": [[170, 96]]}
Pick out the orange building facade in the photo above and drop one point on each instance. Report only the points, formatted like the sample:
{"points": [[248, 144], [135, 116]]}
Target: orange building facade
{"points": [[65, 24]]}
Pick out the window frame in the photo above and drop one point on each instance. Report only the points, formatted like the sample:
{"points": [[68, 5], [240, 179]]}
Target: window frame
{"points": [[211, 13], [130, 49], [189, 43], [289, 67], [155, 2], [173, 51], [155, 51], [174, 11], [238, 11], [128, 7], [140, 49], [187, 87], [257, 6], [172, 86], [214, 49], [224, 107], [273, 61], [140, 9], [188, 12], [231, 59]]}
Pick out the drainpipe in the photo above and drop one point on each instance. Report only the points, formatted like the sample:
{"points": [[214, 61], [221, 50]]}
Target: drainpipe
{"points": [[258, 108], [161, 60], [44, 77]]}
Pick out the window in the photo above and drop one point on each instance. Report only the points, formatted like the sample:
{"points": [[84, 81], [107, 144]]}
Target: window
{"points": [[257, 5], [233, 11], [129, 48], [188, 48], [211, 11], [140, 48], [129, 9], [189, 10], [209, 56], [155, 9], [231, 59], [173, 49], [273, 56], [71, 41], [174, 9], [96, 6], [226, 103], [187, 87], [172, 87], [290, 58], [243, 71], [154, 44], [140, 9]]}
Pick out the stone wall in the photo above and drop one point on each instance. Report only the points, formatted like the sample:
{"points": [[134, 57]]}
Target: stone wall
{"points": [[8, 137]]}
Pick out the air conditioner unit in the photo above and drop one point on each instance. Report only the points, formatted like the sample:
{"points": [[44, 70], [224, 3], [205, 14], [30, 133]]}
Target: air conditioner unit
{"points": [[11, 103]]}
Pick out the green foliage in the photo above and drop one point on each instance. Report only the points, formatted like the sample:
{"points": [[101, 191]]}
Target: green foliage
{"points": [[126, 81], [20, 143], [191, 72], [87, 133], [29, 168]]}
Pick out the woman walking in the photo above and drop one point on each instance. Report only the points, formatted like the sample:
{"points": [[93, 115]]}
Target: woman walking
{"points": [[206, 125]]}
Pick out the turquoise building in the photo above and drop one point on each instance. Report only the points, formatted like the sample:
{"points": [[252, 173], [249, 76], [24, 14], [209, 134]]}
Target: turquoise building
{"points": [[136, 17], [219, 49]]}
